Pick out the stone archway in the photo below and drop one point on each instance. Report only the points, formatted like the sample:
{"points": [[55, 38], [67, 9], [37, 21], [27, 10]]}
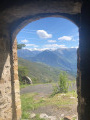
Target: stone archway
{"points": [[14, 15], [14, 49]]}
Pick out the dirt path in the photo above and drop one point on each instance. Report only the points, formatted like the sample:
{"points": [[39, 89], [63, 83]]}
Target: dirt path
{"points": [[40, 88]]}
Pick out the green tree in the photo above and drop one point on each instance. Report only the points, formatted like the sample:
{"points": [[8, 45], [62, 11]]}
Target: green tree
{"points": [[63, 79], [19, 46], [35, 80], [22, 71]]}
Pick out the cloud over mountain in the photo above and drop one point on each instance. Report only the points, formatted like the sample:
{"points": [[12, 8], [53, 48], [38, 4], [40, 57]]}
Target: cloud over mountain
{"points": [[31, 45], [54, 46]]}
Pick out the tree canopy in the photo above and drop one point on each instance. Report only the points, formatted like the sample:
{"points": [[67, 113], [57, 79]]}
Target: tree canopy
{"points": [[19, 46]]}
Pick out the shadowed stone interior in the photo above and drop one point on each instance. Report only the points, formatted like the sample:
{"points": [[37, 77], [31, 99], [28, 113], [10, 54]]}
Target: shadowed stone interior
{"points": [[14, 15]]}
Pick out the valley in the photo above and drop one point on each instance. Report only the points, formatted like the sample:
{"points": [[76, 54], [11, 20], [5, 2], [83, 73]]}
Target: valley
{"points": [[63, 58]]}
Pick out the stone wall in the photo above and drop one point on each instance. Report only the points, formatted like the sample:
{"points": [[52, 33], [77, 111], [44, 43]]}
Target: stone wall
{"points": [[5, 77], [10, 106], [16, 105], [14, 15]]}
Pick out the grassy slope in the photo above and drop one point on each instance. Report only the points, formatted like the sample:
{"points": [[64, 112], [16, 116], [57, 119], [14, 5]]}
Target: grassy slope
{"points": [[41, 71], [38, 70]]}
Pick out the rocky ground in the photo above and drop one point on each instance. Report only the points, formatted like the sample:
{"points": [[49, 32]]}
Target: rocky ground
{"points": [[49, 112]]}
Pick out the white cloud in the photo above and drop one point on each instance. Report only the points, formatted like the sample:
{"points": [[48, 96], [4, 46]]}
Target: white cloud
{"points": [[31, 45], [75, 47], [51, 41], [45, 47], [39, 49], [67, 38], [43, 34], [54, 46], [24, 41]]}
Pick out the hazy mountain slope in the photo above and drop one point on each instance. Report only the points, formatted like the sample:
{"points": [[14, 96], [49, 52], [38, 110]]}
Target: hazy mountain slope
{"points": [[41, 71], [25, 53], [70, 56]]}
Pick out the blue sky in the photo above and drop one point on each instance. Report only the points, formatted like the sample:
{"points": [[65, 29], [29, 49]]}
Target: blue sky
{"points": [[49, 33]]}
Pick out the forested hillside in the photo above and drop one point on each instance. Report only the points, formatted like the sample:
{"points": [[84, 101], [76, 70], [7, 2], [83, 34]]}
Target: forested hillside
{"points": [[41, 73]]}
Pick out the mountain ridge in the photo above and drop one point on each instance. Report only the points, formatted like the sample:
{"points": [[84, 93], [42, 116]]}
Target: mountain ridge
{"points": [[64, 59]]}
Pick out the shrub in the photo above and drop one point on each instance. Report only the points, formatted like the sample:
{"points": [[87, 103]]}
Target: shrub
{"points": [[55, 90], [62, 86], [63, 82], [22, 71]]}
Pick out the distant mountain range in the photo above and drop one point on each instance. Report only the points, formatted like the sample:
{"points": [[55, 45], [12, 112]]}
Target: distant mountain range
{"points": [[63, 58]]}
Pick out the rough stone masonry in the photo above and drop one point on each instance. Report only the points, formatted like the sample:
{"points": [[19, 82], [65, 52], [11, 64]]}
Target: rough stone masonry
{"points": [[14, 15]]}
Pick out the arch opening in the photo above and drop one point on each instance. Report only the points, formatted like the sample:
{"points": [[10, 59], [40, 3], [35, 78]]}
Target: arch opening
{"points": [[22, 22], [48, 37], [12, 15]]}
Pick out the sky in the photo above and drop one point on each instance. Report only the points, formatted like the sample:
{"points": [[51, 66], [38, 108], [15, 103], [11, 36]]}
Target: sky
{"points": [[49, 33]]}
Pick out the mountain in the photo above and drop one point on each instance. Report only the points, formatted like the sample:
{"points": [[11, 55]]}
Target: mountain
{"points": [[70, 57], [40, 72], [64, 59], [25, 53]]}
